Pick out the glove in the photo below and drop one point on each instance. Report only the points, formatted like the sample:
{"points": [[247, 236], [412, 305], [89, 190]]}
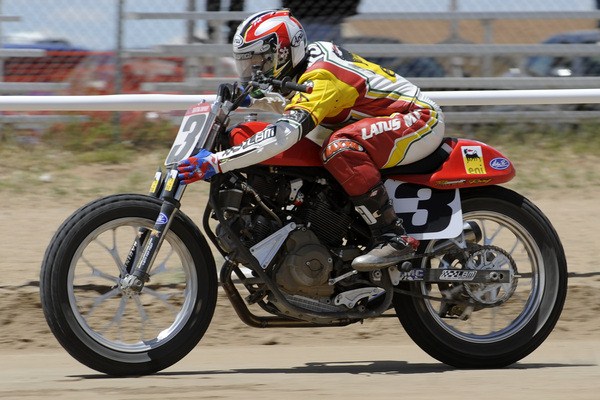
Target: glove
{"points": [[201, 166]]}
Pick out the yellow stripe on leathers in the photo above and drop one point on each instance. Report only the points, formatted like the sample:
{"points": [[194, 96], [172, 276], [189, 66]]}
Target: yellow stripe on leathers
{"points": [[402, 144], [328, 98]]}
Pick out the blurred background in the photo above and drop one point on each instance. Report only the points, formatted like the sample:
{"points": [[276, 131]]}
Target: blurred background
{"points": [[80, 47]]}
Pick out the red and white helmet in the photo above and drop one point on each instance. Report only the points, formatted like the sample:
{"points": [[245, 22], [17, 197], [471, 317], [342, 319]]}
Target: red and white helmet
{"points": [[273, 40]]}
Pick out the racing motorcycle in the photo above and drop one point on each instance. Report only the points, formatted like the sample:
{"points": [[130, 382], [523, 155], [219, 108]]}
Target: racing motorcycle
{"points": [[129, 282]]}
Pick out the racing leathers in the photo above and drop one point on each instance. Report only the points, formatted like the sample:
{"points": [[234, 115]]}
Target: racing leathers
{"points": [[366, 118]]}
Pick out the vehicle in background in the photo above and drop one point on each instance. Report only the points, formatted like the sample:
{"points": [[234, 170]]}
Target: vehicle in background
{"points": [[415, 67], [564, 66]]}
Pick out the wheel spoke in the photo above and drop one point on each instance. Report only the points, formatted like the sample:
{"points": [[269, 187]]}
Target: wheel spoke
{"points": [[97, 273], [144, 319], [117, 318], [113, 251], [162, 266], [503, 308], [101, 299], [132, 322], [164, 299]]}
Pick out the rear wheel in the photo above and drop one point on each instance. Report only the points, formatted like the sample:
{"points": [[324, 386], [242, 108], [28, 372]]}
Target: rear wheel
{"points": [[102, 326], [504, 322]]}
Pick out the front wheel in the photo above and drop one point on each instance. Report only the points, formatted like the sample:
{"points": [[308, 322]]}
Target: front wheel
{"points": [[497, 324], [122, 333]]}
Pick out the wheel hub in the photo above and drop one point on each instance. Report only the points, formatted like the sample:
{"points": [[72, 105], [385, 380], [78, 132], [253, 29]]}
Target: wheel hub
{"points": [[491, 294]]}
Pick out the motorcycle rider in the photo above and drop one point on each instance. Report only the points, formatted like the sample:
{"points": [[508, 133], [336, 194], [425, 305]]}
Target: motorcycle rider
{"points": [[367, 117]]}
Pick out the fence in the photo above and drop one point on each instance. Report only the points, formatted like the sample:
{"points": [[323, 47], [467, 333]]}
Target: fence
{"points": [[159, 102], [89, 47], [166, 103], [158, 41]]}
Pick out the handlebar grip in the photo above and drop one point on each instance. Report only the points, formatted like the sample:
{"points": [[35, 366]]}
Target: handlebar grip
{"points": [[285, 83], [297, 87]]}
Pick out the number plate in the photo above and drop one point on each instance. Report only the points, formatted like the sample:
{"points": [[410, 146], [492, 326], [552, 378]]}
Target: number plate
{"points": [[426, 213], [195, 125]]}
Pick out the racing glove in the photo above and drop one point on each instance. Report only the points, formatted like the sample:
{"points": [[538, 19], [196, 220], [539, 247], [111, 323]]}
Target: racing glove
{"points": [[203, 165]]}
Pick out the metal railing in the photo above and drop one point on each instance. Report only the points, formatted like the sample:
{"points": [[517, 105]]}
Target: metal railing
{"points": [[166, 102]]}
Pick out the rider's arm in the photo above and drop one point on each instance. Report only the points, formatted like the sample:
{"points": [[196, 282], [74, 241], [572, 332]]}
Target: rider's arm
{"points": [[328, 97], [269, 142], [271, 102]]}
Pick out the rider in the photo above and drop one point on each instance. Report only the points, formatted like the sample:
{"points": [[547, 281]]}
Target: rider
{"points": [[366, 116]]}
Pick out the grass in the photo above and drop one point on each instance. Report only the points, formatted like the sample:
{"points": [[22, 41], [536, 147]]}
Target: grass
{"points": [[547, 158], [84, 160]]}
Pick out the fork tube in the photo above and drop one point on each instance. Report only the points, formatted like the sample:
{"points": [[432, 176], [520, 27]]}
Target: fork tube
{"points": [[171, 194], [142, 234]]}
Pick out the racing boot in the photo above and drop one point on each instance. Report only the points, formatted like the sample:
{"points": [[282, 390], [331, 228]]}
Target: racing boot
{"points": [[391, 245]]}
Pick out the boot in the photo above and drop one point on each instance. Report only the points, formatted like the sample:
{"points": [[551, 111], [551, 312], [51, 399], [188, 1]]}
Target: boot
{"points": [[391, 244]]}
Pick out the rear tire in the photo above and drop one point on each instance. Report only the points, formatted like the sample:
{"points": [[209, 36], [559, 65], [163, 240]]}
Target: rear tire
{"points": [[530, 313], [94, 320]]}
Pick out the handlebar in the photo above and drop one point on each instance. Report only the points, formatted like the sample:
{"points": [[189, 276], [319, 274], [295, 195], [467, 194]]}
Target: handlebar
{"points": [[239, 95], [285, 83]]}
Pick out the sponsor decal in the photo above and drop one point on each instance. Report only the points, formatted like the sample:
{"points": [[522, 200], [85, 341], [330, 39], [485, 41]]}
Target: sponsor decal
{"points": [[473, 159], [449, 182], [337, 146], [298, 39], [267, 133], [200, 108], [500, 163], [169, 185], [479, 181], [162, 219], [412, 275], [380, 127], [458, 275], [154, 186]]}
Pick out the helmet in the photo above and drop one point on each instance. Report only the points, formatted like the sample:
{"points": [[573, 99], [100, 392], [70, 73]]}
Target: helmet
{"points": [[272, 40]]}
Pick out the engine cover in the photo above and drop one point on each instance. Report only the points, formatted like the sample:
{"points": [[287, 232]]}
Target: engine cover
{"points": [[307, 266]]}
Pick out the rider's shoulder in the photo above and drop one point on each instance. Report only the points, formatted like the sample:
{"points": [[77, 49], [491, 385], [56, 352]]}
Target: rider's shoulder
{"points": [[325, 52], [319, 49]]}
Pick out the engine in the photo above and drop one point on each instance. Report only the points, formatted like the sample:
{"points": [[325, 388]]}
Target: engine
{"points": [[307, 266], [267, 202]]}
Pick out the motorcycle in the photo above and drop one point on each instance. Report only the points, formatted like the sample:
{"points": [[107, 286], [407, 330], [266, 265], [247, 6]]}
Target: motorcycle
{"points": [[129, 284]]}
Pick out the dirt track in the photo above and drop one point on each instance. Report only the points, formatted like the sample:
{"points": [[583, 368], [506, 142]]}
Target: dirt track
{"points": [[348, 362], [559, 370]]}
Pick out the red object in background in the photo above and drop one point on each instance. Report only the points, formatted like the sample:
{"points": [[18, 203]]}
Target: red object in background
{"points": [[92, 72], [55, 66]]}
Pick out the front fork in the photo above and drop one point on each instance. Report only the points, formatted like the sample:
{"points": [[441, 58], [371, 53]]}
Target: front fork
{"points": [[166, 187]]}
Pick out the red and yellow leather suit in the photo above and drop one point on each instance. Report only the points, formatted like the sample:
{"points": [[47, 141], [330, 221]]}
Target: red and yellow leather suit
{"points": [[366, 117]]}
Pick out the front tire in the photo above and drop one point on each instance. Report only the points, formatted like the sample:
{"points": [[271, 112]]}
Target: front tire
{"points": [[500, 333], [101, 326]]}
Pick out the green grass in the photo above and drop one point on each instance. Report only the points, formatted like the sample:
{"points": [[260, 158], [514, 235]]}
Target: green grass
{"points": [[85, 160], [546, 157]]}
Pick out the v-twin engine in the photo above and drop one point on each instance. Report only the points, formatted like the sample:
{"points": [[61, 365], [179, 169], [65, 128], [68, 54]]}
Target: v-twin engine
{"points": [[260, 206]]}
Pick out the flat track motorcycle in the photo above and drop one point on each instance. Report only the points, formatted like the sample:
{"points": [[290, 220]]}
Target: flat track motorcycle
{"points": [[129, 283]]}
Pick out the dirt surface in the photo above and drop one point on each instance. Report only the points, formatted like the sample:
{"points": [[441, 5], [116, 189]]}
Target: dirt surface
{"points": [[375, 358]]}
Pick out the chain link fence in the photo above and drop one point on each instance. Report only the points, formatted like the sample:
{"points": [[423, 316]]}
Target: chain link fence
{"points": [[112, 46], [88, 47]]}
